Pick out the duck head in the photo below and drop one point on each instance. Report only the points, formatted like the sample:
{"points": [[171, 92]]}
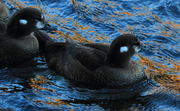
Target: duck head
{"points": [[121, 50], [25, 21]]}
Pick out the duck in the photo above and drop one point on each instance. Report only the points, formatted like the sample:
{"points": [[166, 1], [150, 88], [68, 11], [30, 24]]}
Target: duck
{"points": [[94, 64], [4, 11], [2, 27], [18, 45], [4, 14]]}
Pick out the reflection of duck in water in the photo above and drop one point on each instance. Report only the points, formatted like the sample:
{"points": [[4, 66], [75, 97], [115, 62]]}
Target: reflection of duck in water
{"points": [[17, 44], [96, 65], [4, 14]]}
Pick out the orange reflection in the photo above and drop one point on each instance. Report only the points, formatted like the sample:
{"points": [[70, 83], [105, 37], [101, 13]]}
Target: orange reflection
{"points": [[163, 74], [36, 82], [124, 13], [52, 101]]}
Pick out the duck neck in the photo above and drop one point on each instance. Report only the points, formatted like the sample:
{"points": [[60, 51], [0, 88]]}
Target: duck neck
{"points": [[17, 34], [16, 31], [43, 39]]}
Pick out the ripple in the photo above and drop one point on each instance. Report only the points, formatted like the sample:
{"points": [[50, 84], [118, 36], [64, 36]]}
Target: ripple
{"points": [[154, 21], [172, 8]]}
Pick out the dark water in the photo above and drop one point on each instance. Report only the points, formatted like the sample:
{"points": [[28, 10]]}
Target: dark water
{"points": [[155, 22]]}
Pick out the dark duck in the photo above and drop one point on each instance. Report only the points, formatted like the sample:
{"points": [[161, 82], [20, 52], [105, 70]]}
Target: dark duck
{"points": [[94, 64], [18, 45], [4, 11], [4, 14]]}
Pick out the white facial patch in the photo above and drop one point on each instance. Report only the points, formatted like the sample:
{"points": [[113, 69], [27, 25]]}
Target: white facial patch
{"points": [[40, 25], [23, 21], [124, 49], [136, 48]]}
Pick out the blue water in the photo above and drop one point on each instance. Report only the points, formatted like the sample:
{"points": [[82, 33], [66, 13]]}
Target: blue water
{"points": [[155, 22]]}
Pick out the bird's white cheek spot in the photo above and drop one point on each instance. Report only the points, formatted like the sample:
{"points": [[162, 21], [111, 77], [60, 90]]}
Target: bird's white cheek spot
{"points": [[40, 25], [23, 21], [124, 49], [136, 48]]}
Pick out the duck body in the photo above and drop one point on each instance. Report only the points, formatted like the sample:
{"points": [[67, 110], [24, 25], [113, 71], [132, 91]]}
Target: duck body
{"points": [[2, 27], [15, 51], [87, 64]]}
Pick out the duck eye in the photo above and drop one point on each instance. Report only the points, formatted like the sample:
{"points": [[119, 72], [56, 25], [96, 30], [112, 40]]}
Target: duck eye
{"points": [[23, 21], [136, 43], [124, 49], [40, 18]]}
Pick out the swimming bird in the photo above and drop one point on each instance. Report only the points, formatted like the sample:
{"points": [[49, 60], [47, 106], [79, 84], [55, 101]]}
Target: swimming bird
{"points": [[18, 45], [94, 64], [4, 14], [4, 11]]}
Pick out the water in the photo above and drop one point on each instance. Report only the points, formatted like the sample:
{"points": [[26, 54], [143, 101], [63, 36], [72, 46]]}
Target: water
{"points": [[155, 22]]}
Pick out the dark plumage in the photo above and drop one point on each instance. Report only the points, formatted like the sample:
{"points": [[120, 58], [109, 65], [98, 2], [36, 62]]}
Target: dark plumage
{"points": [[18, 45], [4, 14], [2, 27], [4, 11], [94, 64]]}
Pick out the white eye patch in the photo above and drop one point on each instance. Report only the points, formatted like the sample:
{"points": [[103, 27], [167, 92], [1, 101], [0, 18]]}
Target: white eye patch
{"points": [[40, 25], [124, 49], [23, 21]]}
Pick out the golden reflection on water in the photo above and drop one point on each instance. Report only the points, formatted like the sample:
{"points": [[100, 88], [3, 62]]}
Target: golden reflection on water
{"points": [[36, 84], [163, 74], [52, 101], [166, 76]]}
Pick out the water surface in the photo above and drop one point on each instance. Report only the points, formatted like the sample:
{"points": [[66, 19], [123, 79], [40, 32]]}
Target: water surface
{"points": [[156, 24]]}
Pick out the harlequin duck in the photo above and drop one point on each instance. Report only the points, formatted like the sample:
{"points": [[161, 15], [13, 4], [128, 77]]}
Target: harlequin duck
{"points": [[94, 64], [4, 11], [4, 14], [18, 45], [2, 27]]}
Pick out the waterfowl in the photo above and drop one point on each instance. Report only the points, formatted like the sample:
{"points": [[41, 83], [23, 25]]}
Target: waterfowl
{"points": [[18, 45], [4, 14], [4, 11], [94, 64], [2, 27]]}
